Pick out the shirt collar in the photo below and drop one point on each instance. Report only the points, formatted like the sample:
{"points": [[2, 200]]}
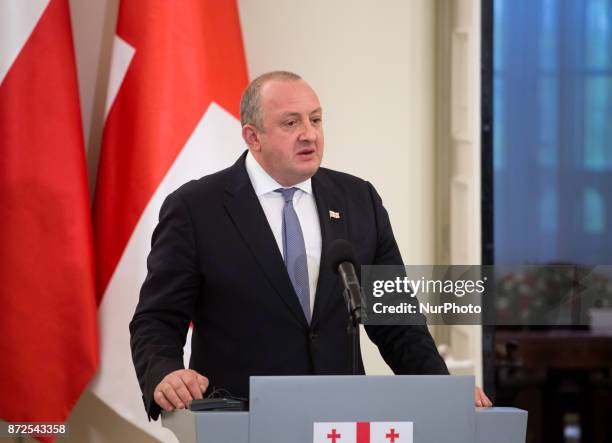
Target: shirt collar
{"points": [[263, 183]]}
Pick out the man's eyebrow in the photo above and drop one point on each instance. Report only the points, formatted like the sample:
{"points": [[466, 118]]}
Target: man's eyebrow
{"points": [[297, 114]]}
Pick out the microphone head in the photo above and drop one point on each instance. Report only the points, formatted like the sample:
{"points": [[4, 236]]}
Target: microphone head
{"points": [[340, 251]]}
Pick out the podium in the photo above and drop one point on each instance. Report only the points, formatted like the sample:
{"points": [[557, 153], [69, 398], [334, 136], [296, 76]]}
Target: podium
{"points": [[431, 409]]}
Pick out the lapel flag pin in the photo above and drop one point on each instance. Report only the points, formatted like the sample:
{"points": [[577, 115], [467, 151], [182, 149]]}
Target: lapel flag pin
{"points": [[334, 214]]}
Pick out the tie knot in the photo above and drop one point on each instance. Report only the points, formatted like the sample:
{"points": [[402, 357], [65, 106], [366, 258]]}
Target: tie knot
{"points": [[287, 193]]}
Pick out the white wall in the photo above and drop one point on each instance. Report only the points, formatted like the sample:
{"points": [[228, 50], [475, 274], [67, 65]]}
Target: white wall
{"points": [[372, 64]]}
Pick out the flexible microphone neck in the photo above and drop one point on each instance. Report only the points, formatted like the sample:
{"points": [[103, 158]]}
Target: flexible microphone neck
{"points": [[342, 259]]}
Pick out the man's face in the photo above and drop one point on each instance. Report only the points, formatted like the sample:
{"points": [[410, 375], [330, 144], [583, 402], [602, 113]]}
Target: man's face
{"points": [[290, 144]]}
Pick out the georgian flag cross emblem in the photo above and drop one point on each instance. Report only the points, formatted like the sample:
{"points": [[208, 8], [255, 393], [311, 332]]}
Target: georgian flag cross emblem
{"points": [[363, 432]]}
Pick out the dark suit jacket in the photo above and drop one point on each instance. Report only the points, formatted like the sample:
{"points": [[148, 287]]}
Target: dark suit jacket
{"points": [[214, 262]]}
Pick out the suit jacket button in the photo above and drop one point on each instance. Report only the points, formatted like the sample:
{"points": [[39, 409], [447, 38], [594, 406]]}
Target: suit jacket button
{"points": [[313, 336]]}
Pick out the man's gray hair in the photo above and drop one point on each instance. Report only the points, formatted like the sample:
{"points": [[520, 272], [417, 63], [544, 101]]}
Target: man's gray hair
{"points": [[250, 103]]}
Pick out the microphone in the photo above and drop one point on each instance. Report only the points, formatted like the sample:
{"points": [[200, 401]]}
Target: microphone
{"points": [[341, 255]]}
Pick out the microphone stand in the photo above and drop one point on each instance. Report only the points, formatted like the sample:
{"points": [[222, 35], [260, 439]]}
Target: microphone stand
{"points": [[352, 331]]}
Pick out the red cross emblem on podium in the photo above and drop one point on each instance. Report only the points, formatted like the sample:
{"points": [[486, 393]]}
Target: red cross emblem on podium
{"points": [[392, 435], [363, 432], [333, 436]]}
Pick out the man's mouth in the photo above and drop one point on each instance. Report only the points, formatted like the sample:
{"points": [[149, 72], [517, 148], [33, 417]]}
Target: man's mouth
{"points": [[306, 152]]}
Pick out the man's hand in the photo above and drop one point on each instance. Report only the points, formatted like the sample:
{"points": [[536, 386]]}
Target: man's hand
{"points": [[480, 398], [178, 388]]}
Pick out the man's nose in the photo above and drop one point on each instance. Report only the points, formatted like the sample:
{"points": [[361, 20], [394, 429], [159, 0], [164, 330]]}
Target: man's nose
{"points": [[308, 133]]}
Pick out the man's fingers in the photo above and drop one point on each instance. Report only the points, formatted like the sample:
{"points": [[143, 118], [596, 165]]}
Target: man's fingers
{"points": [[179, 388], [202, 381], [477, 399], [480, 398], [160, 399], [172, 396], [183, 392], [486, 401], [192, 385]]}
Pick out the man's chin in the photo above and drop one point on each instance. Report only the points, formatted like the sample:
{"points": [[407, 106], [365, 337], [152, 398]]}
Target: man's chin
{"points": [[308, 171], [303, 174]]}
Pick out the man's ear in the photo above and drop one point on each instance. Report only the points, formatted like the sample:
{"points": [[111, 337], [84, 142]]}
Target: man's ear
{"points": [[251, 137]]}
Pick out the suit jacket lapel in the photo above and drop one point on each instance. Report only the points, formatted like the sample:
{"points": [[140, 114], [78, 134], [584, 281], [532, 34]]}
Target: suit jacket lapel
{"points": [[245, 210], [333, 226]]}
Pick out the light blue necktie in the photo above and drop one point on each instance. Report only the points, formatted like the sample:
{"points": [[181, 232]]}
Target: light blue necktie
{"points": [[294, 251]]}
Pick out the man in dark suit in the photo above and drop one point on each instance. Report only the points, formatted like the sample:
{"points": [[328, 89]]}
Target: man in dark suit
{"points": [[242, 255]]}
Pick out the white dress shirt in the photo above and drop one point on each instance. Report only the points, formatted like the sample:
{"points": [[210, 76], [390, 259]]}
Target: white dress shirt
{"points": [[305, 207]]}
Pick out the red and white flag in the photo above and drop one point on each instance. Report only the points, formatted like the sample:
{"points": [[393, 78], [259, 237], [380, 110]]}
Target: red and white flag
{"points": [[48, 330], [363, 432], [172, 115]]}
